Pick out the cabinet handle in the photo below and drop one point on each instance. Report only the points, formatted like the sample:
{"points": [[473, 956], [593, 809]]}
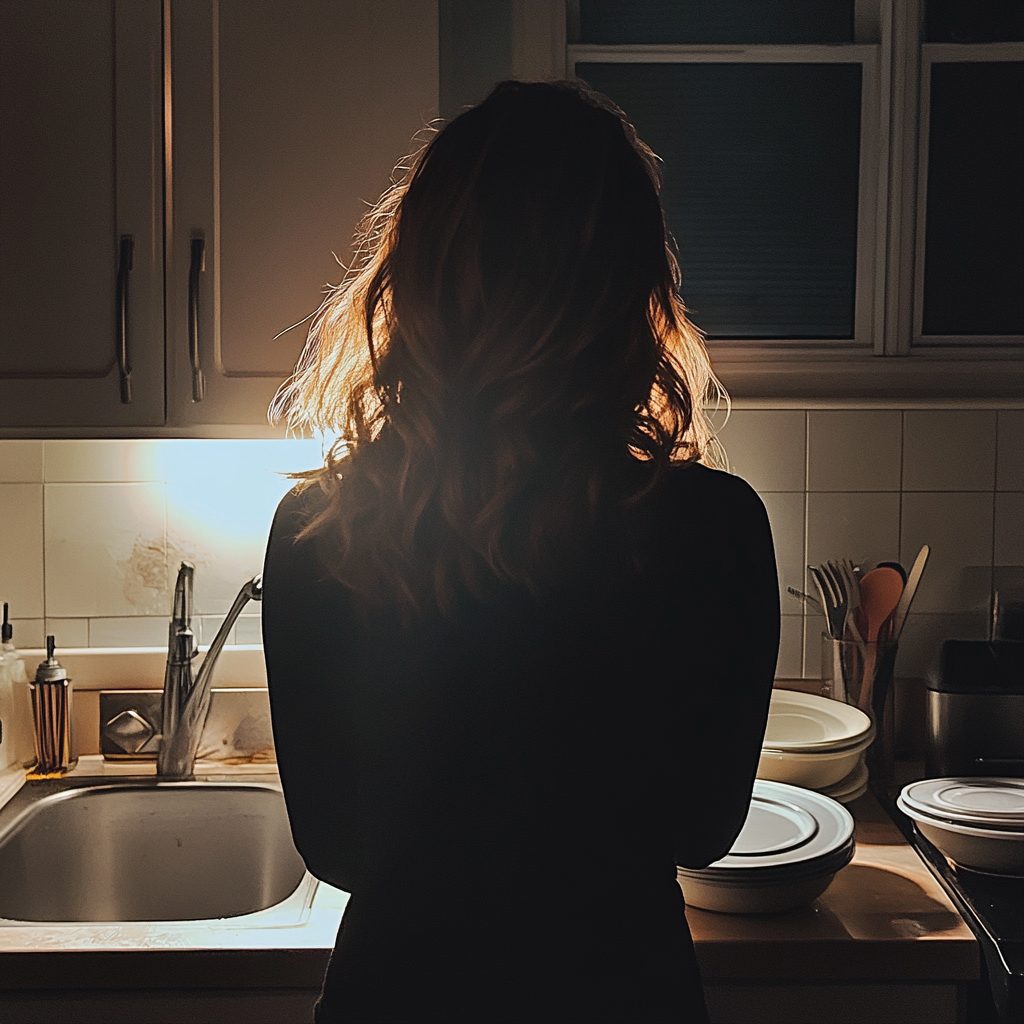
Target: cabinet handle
{"points": [[124, 363], [197, 264]]}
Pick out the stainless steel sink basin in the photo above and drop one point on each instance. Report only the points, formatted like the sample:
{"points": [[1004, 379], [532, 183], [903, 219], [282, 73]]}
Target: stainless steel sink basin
{"points": [[145, 851]]}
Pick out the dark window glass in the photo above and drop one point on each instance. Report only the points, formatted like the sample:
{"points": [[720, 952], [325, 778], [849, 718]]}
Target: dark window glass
{"points": [[974, 21], [761, 180], [974, 232], [716, 21]]}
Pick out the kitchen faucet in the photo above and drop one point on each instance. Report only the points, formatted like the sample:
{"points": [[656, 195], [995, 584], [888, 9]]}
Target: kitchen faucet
{"points": [[186, 701]]}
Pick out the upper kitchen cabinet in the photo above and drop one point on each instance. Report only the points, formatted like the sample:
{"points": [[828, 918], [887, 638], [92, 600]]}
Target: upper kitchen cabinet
{"points": [[179, 184], [287, 120], [81, 241]]}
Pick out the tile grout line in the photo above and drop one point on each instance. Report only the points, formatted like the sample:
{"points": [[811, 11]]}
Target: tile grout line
{"points": [[803, 559], [899, 513], [42, 528], [992, 566]]}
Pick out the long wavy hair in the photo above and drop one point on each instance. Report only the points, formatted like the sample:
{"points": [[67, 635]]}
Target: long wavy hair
{"points": [[509, 337]]}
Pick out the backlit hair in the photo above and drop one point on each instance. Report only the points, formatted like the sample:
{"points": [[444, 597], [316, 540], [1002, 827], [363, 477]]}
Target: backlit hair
{"points": [[510, 334]]}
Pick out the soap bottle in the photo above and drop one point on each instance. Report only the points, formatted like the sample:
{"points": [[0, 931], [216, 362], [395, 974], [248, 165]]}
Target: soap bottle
{"points": [[15, 702], [51, 708]]}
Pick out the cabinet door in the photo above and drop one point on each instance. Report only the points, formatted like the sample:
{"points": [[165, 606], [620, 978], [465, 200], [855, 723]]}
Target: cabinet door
{"points": [[80, 203], [288, 119]]}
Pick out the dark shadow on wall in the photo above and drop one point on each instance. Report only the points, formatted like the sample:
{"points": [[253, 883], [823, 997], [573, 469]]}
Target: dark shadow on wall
{"points": [[475, 50]]}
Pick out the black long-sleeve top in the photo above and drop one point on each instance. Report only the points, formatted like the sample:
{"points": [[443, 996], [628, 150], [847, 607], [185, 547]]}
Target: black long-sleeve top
{"points": [[506, 792]]}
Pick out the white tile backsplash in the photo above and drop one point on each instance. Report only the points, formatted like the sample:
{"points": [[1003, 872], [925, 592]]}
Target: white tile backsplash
{"points": [[249, 629], [206, 628], [28, 633], [786, 515], [767, 448], [790, 663], [227, 548], [1009, 529], [863, 527], [113, 461], [1010, 451], [923, 635], [949, 449], [69, 632], [814, 626], [957, 527], [21, 462], [129, 631], [854, 449], [830, 479], [106, 550], [21, 549]]}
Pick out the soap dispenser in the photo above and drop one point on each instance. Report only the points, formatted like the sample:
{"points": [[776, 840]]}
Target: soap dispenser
{"points": [[51, 708], [15, 702]]}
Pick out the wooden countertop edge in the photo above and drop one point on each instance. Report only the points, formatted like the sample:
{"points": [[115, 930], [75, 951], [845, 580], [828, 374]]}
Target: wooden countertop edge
{"points": [[163, 968], [839, 960], [783, 961]]}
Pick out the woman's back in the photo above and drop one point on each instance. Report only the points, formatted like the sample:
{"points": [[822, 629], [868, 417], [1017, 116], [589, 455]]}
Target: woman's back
{"points": [[506, 788]]}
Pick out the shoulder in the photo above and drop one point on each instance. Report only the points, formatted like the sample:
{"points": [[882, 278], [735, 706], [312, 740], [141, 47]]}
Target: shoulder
{"points": [[292, 556], [297, 509], [713, 492]]}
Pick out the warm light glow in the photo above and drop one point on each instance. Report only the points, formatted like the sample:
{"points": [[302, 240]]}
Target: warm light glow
{"points": [[227, 491]]}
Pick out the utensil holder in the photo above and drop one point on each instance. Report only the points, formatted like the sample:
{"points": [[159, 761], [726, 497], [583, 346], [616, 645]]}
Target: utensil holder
{"points": [[861, 673], [51, 711]]}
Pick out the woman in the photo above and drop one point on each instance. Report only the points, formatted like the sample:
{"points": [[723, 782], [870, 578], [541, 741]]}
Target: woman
{"points": [[520, 643]]}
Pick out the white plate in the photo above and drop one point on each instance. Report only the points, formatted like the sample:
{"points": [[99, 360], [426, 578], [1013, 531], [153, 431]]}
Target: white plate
{"points": [[987, 802], [848, 789], [791, 845], [786, 826], [806, 722], [814, 769]]}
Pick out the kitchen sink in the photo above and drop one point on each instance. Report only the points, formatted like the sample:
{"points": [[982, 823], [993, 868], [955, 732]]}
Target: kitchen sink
{"points": [[145, 851]]}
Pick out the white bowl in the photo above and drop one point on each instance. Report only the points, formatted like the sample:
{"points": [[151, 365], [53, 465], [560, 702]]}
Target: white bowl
{"points": [[805, 722], [854, 785], [815, 769], [790, 847], [737, 898], [986, 849]]}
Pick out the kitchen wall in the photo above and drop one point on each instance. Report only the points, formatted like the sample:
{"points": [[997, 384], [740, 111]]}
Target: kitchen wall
{"points": [[91, 532]]}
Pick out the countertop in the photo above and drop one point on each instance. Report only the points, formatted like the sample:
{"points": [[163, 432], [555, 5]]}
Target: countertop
{"points": [[884, 917]]}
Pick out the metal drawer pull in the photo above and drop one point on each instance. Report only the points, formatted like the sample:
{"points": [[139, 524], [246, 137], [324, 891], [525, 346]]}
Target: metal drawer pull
{"points": [[124, 269], [197, 264]]}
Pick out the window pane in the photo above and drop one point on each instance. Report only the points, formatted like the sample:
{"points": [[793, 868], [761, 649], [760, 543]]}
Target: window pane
{"points": [[761, 178], [974, 231], [974, 21], [720, 21]]}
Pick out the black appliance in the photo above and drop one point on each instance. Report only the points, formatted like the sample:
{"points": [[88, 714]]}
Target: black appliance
{"points": [[976, 710], [993, 907]]}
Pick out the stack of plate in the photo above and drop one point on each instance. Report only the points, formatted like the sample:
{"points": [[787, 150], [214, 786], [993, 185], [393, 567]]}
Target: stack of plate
{"points": [[818, 743], [977, 822], [791, 845]]}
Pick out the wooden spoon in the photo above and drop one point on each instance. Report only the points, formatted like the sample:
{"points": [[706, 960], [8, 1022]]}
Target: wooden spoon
{"points": [[880, 593]]}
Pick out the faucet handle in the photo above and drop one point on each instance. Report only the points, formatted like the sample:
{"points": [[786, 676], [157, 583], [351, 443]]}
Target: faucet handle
{"points": [[254, 588], [181, 612]]}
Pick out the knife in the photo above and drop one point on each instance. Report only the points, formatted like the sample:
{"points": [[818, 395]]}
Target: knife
{"points": [[899, 617]]}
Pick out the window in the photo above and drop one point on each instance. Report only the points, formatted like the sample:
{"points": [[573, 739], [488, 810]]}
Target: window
{"points": [[970, 273], [843, 179]]}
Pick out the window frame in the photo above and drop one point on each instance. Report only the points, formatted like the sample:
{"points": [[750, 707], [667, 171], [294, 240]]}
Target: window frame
{"points": [[866, 335], [888, 360]]}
